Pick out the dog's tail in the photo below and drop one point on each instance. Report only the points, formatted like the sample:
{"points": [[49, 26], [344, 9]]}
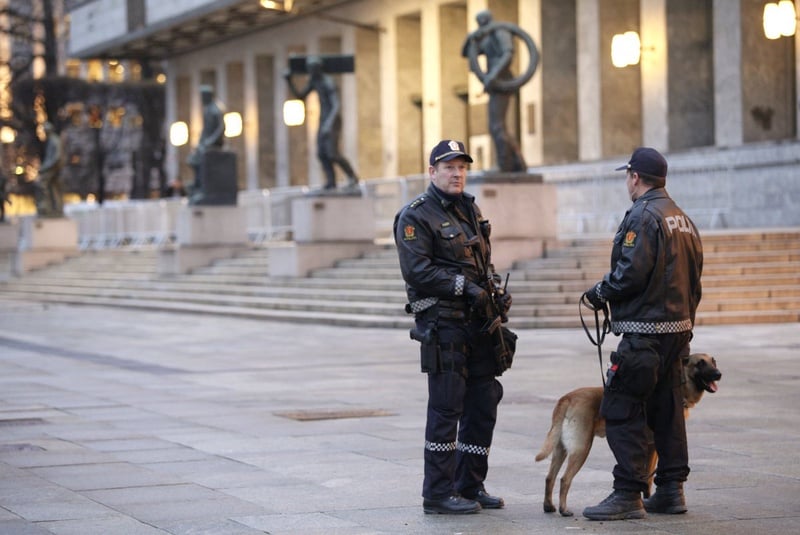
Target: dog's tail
{"points": [[554, 435]]}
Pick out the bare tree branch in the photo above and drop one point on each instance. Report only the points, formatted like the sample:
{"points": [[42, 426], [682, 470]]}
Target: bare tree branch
{"points": [[14, 13]]}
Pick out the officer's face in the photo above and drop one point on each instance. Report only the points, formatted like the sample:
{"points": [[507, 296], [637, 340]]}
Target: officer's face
{"points": [[632, 181], [450, 176]]}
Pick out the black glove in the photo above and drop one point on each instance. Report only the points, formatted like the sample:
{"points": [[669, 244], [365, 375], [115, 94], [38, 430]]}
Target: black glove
{"points": [[505, 303], [593, 297], [477, 298]]}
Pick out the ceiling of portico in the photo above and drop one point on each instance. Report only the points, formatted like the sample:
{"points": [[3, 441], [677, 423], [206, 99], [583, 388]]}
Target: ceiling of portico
{"points": [[193, 30]]}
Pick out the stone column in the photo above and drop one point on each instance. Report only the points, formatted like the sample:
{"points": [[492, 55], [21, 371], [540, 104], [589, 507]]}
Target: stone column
{"points": [[797, 75], [250, 122], [431, 76], [590, 145], [654, 65], [531, 95], [727, 73]]}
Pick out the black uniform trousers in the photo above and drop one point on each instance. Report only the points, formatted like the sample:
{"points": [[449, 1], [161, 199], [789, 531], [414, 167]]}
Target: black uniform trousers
{"points": [[643, 408], [461, 415]]}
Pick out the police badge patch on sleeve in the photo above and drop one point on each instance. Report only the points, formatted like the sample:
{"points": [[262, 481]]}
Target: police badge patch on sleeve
{"points": [[630, 238], [409, 233]]}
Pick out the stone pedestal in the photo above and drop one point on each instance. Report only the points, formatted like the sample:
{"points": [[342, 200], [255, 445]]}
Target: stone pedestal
{"points": [[522, 210], [203, 234], [326, 228], [9, 238], [43, 241], [216, 181]]}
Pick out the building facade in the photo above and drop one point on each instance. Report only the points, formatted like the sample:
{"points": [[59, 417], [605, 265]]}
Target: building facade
{"points": [[707, 77]]}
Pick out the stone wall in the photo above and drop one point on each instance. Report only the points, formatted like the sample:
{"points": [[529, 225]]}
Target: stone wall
{"points": [[749, 187]]}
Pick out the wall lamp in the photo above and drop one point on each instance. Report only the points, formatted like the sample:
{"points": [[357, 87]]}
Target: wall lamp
{"points": [[179, 133], [780, 19], [7, 135], [277, 5], [294, 112], [233, 124], [626, 49]]}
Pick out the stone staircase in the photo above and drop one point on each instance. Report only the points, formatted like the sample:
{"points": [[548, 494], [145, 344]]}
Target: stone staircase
{"points": [[749, 277]]}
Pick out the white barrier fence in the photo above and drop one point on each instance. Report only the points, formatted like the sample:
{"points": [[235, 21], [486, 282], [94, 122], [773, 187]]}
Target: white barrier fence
{"points": [[139, 223]]}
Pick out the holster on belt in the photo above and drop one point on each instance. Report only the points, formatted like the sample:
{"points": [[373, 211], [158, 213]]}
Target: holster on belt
{"points": [[430, 354]]}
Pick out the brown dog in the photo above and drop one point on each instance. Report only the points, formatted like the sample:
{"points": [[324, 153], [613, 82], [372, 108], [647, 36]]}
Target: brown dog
{"points": [[576, 421]]}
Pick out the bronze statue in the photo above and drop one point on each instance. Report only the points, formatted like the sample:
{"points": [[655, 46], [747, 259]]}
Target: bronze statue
{"points": [[210, 137], [47, 186], [495, 41], [330, 120]]}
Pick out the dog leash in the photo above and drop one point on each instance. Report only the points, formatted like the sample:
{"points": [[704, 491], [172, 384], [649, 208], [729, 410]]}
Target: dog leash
{"points": [[601, 333]]}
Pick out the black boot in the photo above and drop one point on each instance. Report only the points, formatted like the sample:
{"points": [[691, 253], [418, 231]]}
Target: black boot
{"points": [[486, 500], [620, 505], [452, 505], [668, 499]]}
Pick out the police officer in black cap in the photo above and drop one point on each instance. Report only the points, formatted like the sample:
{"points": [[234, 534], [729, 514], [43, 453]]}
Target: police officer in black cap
{"points": [[653, 290], [443, 245]]}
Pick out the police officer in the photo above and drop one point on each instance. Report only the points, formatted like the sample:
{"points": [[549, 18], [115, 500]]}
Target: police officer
{"points": [[653, 290], [443, 244]]}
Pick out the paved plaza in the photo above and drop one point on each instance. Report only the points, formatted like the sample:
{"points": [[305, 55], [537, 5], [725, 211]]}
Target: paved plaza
{"points": [[117, 422]]}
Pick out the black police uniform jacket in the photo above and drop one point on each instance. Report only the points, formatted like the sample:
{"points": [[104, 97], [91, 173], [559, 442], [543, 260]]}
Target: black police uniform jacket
{"points": [[656, 262], [438, 250]]}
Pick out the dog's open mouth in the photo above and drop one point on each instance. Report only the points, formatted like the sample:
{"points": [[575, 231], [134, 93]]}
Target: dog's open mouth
{"points": [[709, 384]]}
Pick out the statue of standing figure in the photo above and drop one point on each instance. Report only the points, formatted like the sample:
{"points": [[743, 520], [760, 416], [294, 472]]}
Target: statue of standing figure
{"points": [[330, 121], [212, 135], [495, 41], [47, 186]]}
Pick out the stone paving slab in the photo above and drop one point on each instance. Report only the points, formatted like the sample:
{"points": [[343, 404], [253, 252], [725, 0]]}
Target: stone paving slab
{"points": [[116, 421]]}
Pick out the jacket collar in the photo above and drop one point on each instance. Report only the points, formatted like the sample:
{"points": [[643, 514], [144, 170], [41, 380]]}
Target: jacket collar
{"points": [[654, 193], [446, 201]]}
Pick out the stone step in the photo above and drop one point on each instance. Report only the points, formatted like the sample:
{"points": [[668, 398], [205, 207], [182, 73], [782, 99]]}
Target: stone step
{"points": [[748, 277], [788, 303], [156, 288], [206, 298], [353, 320]]}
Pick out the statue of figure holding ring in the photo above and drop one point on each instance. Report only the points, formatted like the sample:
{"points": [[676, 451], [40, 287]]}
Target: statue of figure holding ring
{"points": [[495, 41]]}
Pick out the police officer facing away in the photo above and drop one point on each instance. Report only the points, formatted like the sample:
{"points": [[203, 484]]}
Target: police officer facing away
{"points": [[443, 244], [653, 290]]}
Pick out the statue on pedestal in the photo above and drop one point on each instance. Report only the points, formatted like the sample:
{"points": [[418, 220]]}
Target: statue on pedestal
{"points": [[47, 186], [211, 137], [330, 121], [495, 41]]}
